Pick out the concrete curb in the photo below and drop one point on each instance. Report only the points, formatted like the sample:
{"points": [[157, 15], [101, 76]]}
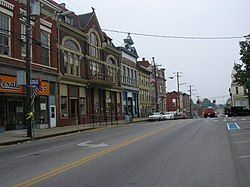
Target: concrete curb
{"points": [[12, 142]]}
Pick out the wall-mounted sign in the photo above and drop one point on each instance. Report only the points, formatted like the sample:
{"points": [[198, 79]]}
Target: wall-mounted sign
{"points": [[45, 89], [9, 84]]}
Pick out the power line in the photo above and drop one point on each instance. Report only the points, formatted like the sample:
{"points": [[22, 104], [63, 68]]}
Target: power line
{"points": [[177, 37]]}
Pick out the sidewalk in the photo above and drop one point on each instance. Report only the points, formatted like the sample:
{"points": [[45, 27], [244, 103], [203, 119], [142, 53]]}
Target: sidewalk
{"points": [[19, 136]]}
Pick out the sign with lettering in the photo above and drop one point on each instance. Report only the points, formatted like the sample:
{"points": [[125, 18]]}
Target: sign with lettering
{"points": [[9, 84], [44, 89]]}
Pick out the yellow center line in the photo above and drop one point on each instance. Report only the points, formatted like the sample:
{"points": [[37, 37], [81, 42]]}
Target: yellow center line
{"points": [[72, 165]]}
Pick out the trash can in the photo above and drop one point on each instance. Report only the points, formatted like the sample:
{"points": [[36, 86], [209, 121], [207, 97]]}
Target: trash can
{"points": [[126, 118]]}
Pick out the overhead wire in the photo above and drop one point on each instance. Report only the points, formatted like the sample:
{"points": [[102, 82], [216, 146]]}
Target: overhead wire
{"points": [[177, 37]]}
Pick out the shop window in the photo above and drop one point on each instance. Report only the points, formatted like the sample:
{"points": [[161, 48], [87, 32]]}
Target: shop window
{"points": [[82, 106], [64, 106]]}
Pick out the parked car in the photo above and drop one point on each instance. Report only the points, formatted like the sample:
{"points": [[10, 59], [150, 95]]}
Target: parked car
{"points": [[209, 112], [156, 116], [179, 115], [168, 115], [237, 111]]}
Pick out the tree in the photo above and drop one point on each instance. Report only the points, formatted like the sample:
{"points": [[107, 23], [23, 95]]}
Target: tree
{"points": [[242, 76]]}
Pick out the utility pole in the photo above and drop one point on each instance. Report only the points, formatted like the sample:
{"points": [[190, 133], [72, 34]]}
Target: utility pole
{"points": [[28, 72], [178, 91], [190, 101], [156, 91]]}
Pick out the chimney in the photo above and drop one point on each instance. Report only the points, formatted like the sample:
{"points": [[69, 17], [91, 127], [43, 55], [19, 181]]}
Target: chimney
{"points": [[143, 59]]}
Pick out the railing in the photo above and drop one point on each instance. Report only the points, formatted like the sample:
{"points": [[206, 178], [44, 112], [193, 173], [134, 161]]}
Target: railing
{"points": [[101, 76], [104, 119]]}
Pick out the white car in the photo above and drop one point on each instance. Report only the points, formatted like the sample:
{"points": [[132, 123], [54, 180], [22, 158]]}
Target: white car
{"points": [[156, 116], [168, 115]]}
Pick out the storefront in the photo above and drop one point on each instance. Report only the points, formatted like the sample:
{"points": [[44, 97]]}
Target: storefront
{"points": [[72, 105], [12, 104], [130, 103]]}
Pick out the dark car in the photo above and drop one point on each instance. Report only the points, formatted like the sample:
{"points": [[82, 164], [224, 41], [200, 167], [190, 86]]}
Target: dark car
{"points": [[209, 112], [237, 111]]}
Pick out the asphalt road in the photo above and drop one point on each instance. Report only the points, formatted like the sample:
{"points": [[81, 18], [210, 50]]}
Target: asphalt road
{"points": [[197, 152]]}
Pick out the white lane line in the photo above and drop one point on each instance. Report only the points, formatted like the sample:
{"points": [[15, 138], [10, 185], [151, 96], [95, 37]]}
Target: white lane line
{"points": [[246, 156], [240, 134], [244, 122], [243, 141], [44, 150]]}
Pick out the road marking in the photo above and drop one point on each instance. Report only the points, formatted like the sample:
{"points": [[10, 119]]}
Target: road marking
{"points": [[232, 126], [246, 156], [244, 122], [243, 141], [84, 160], [86, 144], [240, 134]]}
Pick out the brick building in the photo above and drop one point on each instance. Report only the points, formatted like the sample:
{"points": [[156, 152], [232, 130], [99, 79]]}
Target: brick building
{"points": [[12, 61]]}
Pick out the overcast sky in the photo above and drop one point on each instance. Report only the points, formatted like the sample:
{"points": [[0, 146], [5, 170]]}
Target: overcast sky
{"points": [[205, 64]]}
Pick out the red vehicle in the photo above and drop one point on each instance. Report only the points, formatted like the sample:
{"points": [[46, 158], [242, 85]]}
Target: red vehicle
{"points": [[209, 112]]}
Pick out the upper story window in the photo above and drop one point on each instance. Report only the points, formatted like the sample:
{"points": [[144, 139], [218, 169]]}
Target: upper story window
{"points": [[69, 20], [111, 61], [95, 68], [72, 56], [23, 40], [71, 44], [94, 50], [45, 48], [112, 71], [4, 34]]}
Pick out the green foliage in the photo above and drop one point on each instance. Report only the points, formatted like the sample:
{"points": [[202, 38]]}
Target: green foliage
{"points": [[242, 76]]}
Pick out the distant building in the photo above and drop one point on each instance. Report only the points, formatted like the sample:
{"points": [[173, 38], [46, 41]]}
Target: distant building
{"points": [[129, 78], [171, 104], [144, 88], [238, 93]]}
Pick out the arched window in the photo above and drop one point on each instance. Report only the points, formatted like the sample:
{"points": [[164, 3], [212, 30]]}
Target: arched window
{"points": [[72, 55], [111, 61], [112, 71], [71, 44], [94, 45]]}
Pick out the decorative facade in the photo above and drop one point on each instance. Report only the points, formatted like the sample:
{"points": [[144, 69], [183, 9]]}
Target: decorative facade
{"points": [[12, 63], [129, 76], [144, 86], [238, 94]]}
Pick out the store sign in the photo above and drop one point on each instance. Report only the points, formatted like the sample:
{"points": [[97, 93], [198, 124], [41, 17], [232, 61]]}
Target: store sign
{"points": [[9, 84], [45, 89]]}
